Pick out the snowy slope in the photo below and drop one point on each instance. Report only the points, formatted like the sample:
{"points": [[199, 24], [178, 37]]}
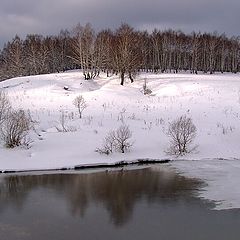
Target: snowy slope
{"points": [[213, 102]]}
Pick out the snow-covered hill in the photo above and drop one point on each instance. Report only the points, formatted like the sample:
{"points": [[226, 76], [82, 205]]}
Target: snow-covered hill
{"points": [[212, 101]]}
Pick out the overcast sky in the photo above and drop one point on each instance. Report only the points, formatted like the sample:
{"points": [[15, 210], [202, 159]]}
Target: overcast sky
{"points": [[50, 16]]}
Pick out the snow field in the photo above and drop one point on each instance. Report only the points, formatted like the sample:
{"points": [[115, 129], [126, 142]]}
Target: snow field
{"points": [[213, 102]]}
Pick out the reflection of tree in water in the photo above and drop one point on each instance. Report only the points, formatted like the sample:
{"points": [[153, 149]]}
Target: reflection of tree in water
{"points": [[117, 191], [11, 191], [120, 191]]}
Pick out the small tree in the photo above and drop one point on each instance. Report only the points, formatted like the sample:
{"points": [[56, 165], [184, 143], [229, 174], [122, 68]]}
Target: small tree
{"points": [[15, 129], [118, 140], [80, 103], [122, 136], [5, 107], [182, 133]]}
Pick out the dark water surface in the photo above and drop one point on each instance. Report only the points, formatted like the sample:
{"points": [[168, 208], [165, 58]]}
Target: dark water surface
{"points": [[139, 204]]}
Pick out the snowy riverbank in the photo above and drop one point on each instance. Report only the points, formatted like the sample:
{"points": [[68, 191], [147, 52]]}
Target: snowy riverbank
{"points": [[212, 101]]}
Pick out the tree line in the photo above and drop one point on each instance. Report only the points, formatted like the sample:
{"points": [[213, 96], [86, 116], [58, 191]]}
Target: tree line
{"points": [[124, 51]]}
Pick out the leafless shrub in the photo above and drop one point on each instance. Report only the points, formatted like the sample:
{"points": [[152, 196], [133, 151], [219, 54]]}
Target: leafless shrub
{"points": [[159, 121], [80, 103], [88, 120], [15, 129], [5, 106], [121, 115], [132, 116], [108, 144], [62, 121], [118, 140], [225, 129], [146, 90], [182, 133], [63, 124], [146, 108]]}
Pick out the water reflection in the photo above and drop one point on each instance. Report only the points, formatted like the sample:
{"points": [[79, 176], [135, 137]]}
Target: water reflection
{"points": [[117, 191]]}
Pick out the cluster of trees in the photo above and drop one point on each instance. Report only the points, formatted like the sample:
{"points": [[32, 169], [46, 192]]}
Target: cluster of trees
{"points": [[124, 51], [35, 55]]}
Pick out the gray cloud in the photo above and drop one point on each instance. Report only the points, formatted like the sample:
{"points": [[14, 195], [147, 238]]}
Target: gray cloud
{"points": [[49, 16]]}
